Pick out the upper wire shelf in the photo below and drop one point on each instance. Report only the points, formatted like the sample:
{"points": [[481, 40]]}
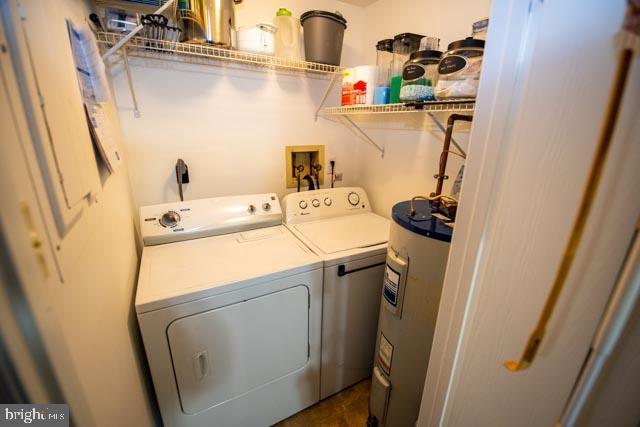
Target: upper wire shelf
{"points": [[451, 105], [202, 53]]}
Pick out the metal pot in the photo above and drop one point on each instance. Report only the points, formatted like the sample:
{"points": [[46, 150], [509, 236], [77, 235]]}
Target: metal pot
{"points": [[219, 21], [216, 19]]}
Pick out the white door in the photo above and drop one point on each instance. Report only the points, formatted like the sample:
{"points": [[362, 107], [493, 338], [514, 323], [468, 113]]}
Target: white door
{"points": [[547, 74], [224, 353]]}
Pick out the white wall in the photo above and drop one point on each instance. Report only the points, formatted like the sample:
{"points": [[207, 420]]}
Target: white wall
{"points": [[229, 125], [411, 156]]}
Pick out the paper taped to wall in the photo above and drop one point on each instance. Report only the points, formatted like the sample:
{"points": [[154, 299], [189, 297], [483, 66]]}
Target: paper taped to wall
{"points": [[95, 91]]}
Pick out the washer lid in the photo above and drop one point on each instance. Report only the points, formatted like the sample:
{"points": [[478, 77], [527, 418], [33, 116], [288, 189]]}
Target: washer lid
{"points": [[347, 232], [185, 271]]}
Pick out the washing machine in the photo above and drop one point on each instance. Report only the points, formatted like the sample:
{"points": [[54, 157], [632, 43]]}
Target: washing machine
{"points": [[229, 306], [339, 226], [414, 274]]}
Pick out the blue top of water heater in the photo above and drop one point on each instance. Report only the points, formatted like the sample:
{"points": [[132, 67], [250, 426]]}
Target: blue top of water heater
{"points": [[422, 222]]}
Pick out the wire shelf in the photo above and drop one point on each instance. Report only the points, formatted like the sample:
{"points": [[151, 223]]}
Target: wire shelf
{"points": [[463, 104], [208, 54]]}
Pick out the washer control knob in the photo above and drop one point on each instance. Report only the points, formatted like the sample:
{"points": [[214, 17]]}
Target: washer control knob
{"points": [[266, 207], [251, 209], [169, 219], [302, 204], [315, 203], [353, 198], [327, 201]]}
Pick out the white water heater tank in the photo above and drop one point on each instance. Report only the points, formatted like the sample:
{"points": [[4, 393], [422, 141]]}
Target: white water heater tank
{"points": [[414, 273]]}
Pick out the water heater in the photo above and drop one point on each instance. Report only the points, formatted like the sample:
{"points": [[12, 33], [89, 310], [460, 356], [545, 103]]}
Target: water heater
{"points": [[416, 261]]}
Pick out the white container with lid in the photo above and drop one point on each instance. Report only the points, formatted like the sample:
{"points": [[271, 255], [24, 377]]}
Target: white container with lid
{"points": [[288, 37], [259, 38]]}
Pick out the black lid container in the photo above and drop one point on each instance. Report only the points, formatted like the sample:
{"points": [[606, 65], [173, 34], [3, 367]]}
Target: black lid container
{"points": [[323, 35], [385, 45], [406, 43]]}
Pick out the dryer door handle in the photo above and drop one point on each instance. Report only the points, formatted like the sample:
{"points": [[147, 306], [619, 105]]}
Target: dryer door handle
{"points": [[201, 365], [342, 269]]}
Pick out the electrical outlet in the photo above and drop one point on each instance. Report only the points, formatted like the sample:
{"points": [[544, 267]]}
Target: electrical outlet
{"points": [[339, 176]]}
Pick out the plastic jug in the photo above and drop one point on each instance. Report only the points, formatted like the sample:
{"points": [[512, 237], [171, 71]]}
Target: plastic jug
{"points": [[288, 36]]}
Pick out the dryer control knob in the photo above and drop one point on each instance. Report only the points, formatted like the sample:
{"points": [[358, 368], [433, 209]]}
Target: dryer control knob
{"points": [[327, 201], [266, 207], [251, 209], [353, 198], [315, 203], [170, 219], [302, 204]]}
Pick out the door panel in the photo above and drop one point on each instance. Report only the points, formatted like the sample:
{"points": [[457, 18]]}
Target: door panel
{"points": [[526, 171], [51, 94], [350, 307], [223, 353]]}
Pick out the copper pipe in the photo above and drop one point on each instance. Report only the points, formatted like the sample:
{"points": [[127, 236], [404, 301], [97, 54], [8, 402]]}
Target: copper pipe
{"points": [[444, 156]]}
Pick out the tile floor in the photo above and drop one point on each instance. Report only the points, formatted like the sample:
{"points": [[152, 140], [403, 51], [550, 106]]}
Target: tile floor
{"points": [[349, 408]]}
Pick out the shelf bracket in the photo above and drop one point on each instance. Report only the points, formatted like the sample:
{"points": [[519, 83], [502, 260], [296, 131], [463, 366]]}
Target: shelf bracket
{"points": [[133, 32], [121, 44], [362, 134], [332, 82], [442, 128], [125, 61]]}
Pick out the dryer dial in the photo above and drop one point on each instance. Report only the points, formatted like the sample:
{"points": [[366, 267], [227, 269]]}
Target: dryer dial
{"points": [[302, 204], [315, 203], [327, 201], [353, 198], [170, 219]]}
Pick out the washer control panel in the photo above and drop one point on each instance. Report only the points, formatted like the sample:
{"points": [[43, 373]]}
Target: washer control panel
{"points": [[173, 222], [324, 203]]}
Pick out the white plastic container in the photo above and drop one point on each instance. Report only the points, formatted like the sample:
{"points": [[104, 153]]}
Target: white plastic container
{"points": [[259, 38], [366, 83], [358, 85], [288, 40]]}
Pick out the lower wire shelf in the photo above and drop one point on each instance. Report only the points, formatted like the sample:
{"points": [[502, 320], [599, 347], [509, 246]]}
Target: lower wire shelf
{"points": [[449, 105], [386, 112]]}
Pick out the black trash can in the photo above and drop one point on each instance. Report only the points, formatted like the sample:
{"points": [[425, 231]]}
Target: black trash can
{"points": [[323, 34]]}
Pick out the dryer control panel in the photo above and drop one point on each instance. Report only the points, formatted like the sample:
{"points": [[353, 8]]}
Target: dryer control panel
{"points": [[325, 203], [192, 219]]}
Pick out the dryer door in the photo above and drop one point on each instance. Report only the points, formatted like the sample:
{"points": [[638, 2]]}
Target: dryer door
{"points": [[223, 353]]}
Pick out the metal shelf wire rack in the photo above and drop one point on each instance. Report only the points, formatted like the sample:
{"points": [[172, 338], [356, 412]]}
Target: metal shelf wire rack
{"points": [[416, 113], [466, 104], [201, 53]]}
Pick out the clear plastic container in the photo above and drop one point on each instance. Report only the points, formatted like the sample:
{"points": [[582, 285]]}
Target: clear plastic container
{"points": [[384, 57], [288, 36], [479, 29], [420, 75], [403, 46], [459, 69], [430, 43]]}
